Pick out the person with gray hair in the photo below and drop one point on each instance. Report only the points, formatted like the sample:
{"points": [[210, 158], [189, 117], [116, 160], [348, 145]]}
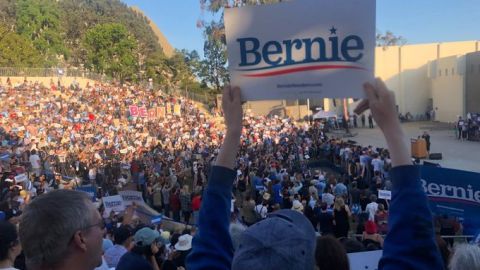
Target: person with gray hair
{"points": [[465, 257], [62, 230]]}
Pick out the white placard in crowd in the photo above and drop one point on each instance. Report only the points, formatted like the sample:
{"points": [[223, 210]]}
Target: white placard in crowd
{"points": [[385, 194], [130, 196], [364, 260], [21, 178], [113, 203], [301, 49]]}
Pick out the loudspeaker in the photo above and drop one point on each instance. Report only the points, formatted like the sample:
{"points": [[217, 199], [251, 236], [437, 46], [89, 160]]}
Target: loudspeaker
{"points": [[435, 156]]}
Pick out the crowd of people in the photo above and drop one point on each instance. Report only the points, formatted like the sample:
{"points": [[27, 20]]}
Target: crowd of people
{"points": [[59, 138], [469, 128]]}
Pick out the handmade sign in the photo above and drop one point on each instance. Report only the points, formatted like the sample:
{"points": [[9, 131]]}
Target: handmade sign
{"points": [[113, 203], [364, 260], [130, 196], [21, 178], [385, 194]]}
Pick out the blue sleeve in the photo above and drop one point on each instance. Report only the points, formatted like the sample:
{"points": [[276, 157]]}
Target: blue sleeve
{"points": [[410, 242], [212, 247]]}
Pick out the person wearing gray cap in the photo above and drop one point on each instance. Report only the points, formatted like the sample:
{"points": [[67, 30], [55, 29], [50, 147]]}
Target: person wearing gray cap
{"points": [[283, 240], [142, 255]]}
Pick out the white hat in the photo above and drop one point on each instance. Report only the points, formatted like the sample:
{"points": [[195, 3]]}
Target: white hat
{"points": [[184, 242], [297, 206]]}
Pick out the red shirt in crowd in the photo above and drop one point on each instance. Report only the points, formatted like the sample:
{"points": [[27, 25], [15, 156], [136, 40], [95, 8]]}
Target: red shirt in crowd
{"points": [[175, 201], [196, 202]]}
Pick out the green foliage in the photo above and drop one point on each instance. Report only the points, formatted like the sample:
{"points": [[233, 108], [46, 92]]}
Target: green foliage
{"points": [[111, 49], [105, 36], [7, 13], [214, 73], [81, 15], [156, 67], [389, 39], [39, 21], [16, 51]]}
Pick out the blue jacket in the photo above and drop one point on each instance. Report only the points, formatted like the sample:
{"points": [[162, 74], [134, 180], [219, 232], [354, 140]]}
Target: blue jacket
{"points": [[212, 247], [410, 243]]}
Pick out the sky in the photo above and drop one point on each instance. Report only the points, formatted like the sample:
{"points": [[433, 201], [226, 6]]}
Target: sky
{"points": [[418, 21]]}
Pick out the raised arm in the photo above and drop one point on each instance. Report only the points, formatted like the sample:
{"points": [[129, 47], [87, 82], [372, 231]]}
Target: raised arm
{"points": [[410, 242], [212, 246]]}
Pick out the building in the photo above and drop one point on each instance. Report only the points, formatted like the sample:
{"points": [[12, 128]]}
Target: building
{"points": [[472, 82], [426, 76], [437, 76]]}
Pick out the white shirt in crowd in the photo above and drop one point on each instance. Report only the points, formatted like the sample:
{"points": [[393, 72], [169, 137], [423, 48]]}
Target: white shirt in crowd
{"points": [[92, 174], [371, 210], [377, 164], [35, 161], [262, 210], [328, 198]]}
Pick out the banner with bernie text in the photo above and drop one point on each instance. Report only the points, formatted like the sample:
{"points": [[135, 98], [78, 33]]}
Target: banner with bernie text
{"points": [[454, 193]]}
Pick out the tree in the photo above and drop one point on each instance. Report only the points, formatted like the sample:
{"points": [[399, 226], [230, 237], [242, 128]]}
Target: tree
{"points": [[39, 21], [214, 66], [180, 71], [111, 49], [156, 67], [7, 12], [194, 63], [218, 5], [389, 39], [16, 51], [214, 73]]}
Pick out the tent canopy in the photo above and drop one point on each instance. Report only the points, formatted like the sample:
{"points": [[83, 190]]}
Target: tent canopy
{"points": [[324, 115]]}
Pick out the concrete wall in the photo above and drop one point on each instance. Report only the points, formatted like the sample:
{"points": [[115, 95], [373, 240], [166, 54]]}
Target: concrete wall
{"points": [[297, 112], [46, 80], [472, 82], [387, 67], [405, 70], [415, 85], [457, 48], [448, 89], [264, 107]]}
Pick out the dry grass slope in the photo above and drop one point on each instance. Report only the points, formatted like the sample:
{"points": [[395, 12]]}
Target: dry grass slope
{"points": [[166, 46]]}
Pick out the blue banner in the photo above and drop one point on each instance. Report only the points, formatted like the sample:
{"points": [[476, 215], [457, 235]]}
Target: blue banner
{"points": [[455, 193], [157, 219], [90, 190]]}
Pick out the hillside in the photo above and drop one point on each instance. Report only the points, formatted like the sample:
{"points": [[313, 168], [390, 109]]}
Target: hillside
{"points": [[167, 48], [104, 36]]}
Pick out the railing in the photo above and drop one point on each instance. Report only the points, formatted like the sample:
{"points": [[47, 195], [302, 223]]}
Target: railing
{"points": [[457, 238], [81, 73], [202, 98], [51, 72]]}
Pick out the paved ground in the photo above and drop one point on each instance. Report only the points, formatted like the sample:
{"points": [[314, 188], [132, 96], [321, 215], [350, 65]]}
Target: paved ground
{"points": [[462, 155]]}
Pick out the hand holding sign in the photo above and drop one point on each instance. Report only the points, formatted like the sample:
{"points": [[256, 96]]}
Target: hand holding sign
{"points": [[129, 212], [232, 108], [381, 102]]}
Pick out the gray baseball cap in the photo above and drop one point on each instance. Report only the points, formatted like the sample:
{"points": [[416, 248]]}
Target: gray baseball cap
{"points": [[284, 240]]}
